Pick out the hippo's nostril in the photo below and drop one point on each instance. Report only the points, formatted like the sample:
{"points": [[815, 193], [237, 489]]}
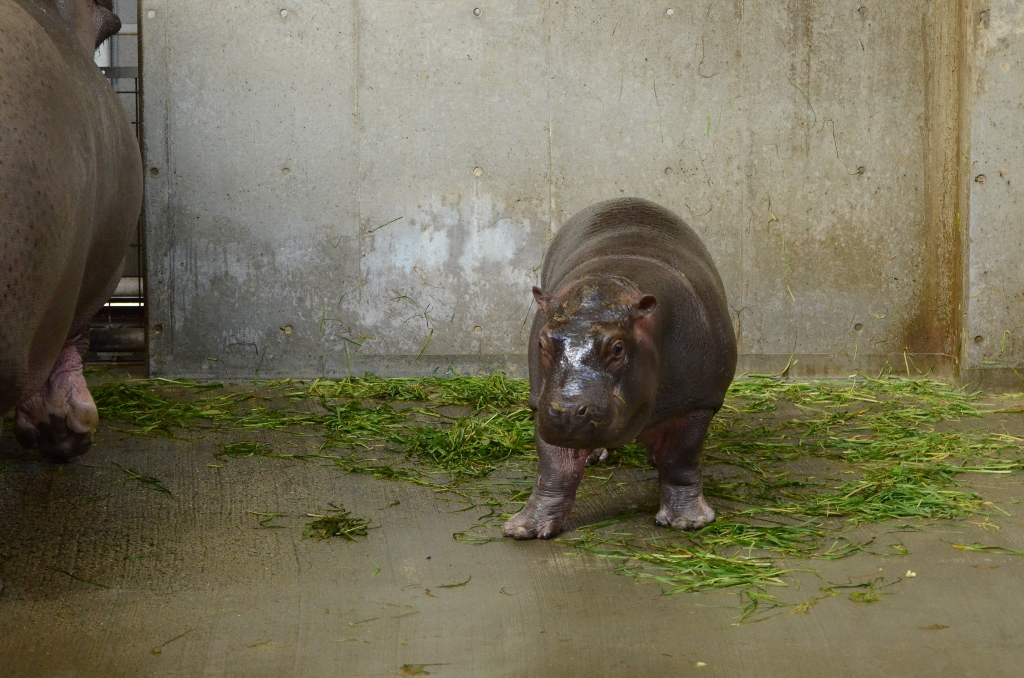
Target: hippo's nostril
{"points": [[582, 411]]}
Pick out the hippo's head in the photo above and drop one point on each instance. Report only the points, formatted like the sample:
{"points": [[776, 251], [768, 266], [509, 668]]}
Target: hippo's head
{"points": [[91, 21], [598, 363]]}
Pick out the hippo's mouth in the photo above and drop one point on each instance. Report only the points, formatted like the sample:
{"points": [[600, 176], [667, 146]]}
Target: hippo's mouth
{"points": [[590, 435]]}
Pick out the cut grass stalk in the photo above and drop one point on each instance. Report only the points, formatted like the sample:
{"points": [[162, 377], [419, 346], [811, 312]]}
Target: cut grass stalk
{"points": [[986, 547], [155, 483]]}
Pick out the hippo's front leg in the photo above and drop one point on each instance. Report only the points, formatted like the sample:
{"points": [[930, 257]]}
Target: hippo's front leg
{"points": [[676, 446], [559, 473]]}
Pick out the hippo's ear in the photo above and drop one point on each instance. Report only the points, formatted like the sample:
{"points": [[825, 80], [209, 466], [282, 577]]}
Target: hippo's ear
{"points": [[542, 298], [645, 305], [104, 22]]}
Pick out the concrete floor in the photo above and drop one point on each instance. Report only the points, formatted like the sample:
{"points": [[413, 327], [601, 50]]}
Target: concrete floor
{"points": [[103, 575]]}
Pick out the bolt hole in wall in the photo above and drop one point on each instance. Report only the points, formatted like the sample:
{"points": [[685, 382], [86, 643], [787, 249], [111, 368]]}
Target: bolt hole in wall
{"points": [[117, 332]]}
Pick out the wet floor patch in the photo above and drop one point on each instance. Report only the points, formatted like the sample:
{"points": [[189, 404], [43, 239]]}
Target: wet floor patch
{"points": [[793, 468], [867, 511]]}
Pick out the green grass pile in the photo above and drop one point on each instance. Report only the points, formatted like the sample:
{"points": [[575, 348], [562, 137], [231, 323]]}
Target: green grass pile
{"points": [[471, 447], [336, 522]]}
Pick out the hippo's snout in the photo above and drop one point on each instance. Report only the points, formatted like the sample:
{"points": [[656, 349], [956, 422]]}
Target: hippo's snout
{"points": [[570, 416], [572, 423]]}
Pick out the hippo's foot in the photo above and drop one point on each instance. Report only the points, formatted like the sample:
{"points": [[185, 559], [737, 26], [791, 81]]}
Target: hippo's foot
{"points": [[540, 519], [525, 526], [597, 456], [685, 513], [60, 418]]}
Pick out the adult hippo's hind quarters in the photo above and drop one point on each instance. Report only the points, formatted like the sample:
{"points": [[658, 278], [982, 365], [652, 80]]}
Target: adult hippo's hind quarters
{"points": [[632, 340], [70, 197]]}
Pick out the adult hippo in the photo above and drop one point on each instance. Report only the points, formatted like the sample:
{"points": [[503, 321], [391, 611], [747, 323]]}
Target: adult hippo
{"points": [[70, 196]]}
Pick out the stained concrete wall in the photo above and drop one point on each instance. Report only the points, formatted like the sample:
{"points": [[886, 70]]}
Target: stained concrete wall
{"points": [[995, 304], [338, 187]]}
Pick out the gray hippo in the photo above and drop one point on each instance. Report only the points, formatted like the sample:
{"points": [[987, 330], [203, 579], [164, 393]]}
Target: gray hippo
{"points": [[70, 196], [633, 340]]}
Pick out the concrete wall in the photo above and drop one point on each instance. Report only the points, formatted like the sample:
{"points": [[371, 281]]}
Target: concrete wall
{"points": [[995, 304], [335, 187]]}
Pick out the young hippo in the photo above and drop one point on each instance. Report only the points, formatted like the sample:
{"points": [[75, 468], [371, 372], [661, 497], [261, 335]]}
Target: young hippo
{"points": [[633, 340]]}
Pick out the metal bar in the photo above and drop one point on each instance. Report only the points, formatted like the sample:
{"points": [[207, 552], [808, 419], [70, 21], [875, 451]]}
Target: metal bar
{"points": [[115, 72], [117, 339]]}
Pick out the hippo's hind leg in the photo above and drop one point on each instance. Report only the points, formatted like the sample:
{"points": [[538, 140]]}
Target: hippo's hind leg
{"points": [[60, 418], [676, 447], [559, 472]]}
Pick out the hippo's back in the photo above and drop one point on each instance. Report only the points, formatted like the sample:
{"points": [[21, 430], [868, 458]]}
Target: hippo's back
{"points": [[626, 227]]}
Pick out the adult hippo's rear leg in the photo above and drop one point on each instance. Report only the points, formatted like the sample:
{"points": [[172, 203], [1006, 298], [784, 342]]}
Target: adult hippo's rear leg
{"points": [[675, 446], [70, 195], [60, 418]]}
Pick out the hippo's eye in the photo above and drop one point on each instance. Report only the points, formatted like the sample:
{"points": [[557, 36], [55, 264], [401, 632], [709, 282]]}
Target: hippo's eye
{"points": [[617, 349]]}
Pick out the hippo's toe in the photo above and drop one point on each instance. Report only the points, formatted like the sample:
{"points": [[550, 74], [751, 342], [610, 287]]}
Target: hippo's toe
{"points": [[597, 456]]}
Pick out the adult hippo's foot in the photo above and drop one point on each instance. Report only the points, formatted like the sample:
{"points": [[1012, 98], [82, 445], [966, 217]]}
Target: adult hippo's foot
{"points": [[60, 418]]}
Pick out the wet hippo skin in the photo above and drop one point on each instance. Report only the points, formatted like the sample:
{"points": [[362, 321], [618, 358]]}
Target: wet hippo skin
{"points": [[70, 195], [632, 340]]}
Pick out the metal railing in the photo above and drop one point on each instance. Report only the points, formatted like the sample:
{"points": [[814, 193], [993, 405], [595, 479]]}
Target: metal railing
{"points": [[118, 332]]}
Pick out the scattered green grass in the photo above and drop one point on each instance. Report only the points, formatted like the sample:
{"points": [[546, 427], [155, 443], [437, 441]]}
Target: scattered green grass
{"points": [[864, 596], [481, 393], [681, 567], [455, 584], [136, 402], [349, 425], [267, 518], [895, 450], [336, 522]]}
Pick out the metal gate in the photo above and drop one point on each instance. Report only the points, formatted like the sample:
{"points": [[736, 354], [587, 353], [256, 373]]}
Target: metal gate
{"points": [[118, 332]]}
